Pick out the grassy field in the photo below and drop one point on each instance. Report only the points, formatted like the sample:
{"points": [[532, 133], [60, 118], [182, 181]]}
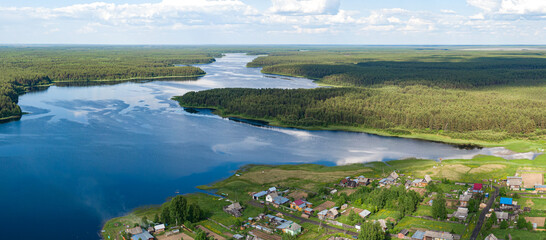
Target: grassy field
{"points": [[516, 234], [418, 223]]}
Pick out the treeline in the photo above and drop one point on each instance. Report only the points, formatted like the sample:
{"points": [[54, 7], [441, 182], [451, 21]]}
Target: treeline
{"points": [[399, 110], [402, 67], [22, 67], [473, 73]]}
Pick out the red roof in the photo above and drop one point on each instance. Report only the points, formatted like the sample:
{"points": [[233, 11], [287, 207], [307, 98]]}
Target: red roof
{"points": [[477, 186], [298, 202], [344, 180]]}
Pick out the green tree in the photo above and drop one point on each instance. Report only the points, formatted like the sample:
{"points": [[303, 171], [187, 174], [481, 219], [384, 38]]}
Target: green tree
{"points": [[165, 213], [504, 225], [156, 218], [200, 235], [473, 205], [439, 210], [371, 231], [144, 222], [179, 209], [521, 223], [491, 221]]}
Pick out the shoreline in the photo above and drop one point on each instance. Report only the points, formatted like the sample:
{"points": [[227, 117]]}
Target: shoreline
{"points": [[460, 143], [99, 81]]}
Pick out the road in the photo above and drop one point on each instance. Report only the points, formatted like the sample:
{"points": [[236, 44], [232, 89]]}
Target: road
{"points": [[479, 224], [305, 220]]}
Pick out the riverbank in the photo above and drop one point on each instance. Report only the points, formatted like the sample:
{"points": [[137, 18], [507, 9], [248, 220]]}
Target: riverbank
{"points": [[516, 145], [315, 183]]}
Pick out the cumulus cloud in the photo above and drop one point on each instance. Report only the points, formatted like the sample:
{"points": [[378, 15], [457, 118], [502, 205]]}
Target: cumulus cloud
{"points": [[165, 12], [517, 7], [305, 7]]}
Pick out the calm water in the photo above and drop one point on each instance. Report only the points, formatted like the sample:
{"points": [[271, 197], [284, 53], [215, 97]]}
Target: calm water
{"points": [[86, 154]]}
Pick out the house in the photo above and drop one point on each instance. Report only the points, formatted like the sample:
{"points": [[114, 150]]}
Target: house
{"points": [[532, 179], [461, 213], [402, 234], [134, 231], [234, 209], [351, 184], [394, 176], [435, 235], [477, 187], [290, 227], [540, 188], [269, 198], [145, 235], [258, 195], [279, 200], [332, 213], [159, 228], [343, 182], [464, 199], [418, 235], [421, 182], [308, 211], [300, 205], [272, 190], [514, 182], [322, 214], [333, 191], [491, 237], [502, 216], [364, 214], [504, 201], [363, 181]]}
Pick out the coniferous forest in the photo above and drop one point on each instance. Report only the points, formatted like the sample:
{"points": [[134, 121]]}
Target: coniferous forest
{"points": [[477, 95], [24, 67]]}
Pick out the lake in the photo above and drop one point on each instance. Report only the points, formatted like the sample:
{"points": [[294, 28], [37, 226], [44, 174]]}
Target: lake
{"points": [[86, 154]]}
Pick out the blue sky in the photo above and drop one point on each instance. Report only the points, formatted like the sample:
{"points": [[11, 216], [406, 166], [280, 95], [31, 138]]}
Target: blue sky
{"points": [[273, 22]]}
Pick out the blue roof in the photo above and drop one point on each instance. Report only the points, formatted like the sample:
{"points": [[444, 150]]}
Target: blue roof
{"points": [[540, 186], [285, 225], [260, 194], [280, 200], [418, 235], [145, 235], [505, 200]]}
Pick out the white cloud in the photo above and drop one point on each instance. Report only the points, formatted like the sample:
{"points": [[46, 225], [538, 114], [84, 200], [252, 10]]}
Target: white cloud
{"points": [[165, 12], [305, 7], [487, 5], [517, 7]]}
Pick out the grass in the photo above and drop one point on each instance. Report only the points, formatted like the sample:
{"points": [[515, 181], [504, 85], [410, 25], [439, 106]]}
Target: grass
{"points": [[385, 214], [534, 203], [418, 223], [517, 234]]}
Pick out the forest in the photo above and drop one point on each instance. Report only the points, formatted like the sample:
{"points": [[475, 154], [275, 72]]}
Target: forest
{"points": [[445, 69], [461, 114], [24, 67]]}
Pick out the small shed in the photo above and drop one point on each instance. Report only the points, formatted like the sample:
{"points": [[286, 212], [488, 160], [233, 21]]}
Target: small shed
{"points": [[402, 234], [418, 235]]}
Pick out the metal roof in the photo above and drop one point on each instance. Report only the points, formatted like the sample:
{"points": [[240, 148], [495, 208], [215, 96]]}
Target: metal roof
{"points": [[505, 200], [260, 194]]}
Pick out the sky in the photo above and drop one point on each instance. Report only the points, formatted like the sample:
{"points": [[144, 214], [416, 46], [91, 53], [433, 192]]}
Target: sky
{"points": [[370, 22]]}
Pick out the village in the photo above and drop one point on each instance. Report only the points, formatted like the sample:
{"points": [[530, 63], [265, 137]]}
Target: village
{"points": [[396, 205]]}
